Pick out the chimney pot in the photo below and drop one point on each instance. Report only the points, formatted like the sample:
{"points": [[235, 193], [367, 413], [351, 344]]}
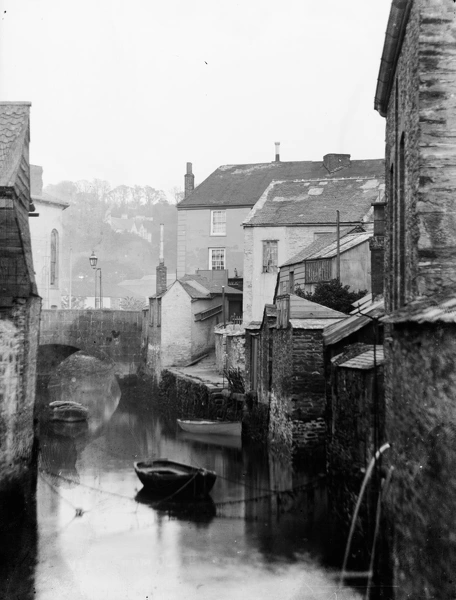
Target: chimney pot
{"points": [[277, 151]]}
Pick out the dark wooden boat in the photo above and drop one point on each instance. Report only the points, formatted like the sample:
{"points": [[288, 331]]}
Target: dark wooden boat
{"points": [[67, 411], [166, 478]]}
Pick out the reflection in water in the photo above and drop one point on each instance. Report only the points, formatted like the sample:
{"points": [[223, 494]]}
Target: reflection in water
{"points": [[259, 534]]}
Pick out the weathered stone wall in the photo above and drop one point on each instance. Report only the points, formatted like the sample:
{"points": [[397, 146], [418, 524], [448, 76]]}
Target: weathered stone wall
{"points": [[298, 390], [18, 348], [421, 426], [113, 335], [356, 429], [186, 398], [422, 108], [230, 347], [235, 350]]}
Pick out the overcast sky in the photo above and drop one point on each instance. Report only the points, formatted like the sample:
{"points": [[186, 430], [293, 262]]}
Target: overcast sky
{"points": [[129, 91]]}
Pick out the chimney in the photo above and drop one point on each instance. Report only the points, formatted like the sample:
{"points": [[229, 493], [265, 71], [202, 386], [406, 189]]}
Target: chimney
{"points": [[277, 151], [189, 181], [161, 270], [335, 162], [377, 249]]}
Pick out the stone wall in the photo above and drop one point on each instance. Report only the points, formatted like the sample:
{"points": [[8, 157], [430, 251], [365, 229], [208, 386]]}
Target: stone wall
{"points": [[18, 348], [421, 426], [186, 398], [298, 390], [355, 430], [230, 347], [113, 335]]}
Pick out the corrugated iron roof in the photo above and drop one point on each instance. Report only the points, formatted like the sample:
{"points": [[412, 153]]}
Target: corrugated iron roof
{"points": [[242, 185], [14, 129], [425, 310], [337, 332], [366, 360], [306, 201]]}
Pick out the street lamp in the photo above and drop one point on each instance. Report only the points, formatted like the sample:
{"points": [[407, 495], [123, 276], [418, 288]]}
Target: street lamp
{"points": [[93, 259]]}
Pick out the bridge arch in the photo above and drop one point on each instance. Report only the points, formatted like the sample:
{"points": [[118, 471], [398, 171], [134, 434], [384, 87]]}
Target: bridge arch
{"points": [[112, 335]]}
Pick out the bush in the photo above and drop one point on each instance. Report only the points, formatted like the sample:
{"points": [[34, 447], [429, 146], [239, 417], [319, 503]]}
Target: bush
{"points": [[333, 295]]}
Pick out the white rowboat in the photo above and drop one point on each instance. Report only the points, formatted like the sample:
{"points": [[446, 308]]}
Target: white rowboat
{"points": [[210, 427]]}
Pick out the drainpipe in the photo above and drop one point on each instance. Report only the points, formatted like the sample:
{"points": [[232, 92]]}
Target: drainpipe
{"points": [[338, 246], [223, 306]]}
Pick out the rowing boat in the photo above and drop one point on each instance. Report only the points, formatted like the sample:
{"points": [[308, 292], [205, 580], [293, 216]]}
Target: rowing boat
{"points": [[164, 477], [210, 427]]}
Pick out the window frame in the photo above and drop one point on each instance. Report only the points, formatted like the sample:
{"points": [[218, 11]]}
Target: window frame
{"points": [[211, 250], [273, 268], [213, 232]]}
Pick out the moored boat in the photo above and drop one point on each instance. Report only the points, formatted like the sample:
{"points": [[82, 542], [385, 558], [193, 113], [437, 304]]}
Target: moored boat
{"points": [[163, 477], [68, 411], [210, 427]]}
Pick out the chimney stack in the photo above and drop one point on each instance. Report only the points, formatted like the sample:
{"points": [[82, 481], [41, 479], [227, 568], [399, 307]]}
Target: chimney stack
{"points": [[277, 151], [335, 162], [377, 249], [189, 181], [161, 271]]}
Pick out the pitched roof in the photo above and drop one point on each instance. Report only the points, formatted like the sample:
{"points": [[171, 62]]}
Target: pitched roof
{"points": [[14, 130], [243, 185], [366, 360], [339, 331], [301, 308], [315, 201], [426, 310], [326, 245], [199, 287]]}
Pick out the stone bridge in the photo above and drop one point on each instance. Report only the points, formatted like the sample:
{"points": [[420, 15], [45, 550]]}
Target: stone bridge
{"points": [[111, 335]]}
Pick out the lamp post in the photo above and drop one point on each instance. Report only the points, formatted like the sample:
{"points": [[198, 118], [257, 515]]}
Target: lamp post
{"points": [[93, 259]]}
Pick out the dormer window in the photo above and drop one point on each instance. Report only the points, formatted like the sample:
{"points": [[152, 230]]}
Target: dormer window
{"points": [[218, 222]]}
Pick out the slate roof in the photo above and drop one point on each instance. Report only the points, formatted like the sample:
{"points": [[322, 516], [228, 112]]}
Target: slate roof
{"points": [[243, 185], [315, 201], [199, 287], [365, 360], [326, 246], [14, 131], [426, 310], [339, 331]]}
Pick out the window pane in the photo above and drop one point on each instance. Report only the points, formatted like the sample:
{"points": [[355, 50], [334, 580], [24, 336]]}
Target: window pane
{"points": [[218, 226], [217, 258], [270, 256]]}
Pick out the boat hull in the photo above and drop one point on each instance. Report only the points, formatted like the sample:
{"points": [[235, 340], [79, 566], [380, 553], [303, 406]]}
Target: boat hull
{"points": [[166, 478], [211, 427], [68, 412]]}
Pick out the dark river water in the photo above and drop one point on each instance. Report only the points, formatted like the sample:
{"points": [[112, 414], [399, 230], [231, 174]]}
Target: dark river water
{"points": [[261, 534]]}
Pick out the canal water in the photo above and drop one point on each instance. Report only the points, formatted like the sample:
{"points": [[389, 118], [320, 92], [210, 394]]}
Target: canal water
{"points": [[261, 534]]}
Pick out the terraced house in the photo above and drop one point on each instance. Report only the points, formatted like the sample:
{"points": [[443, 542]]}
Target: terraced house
{"points": [[290, 215]]}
